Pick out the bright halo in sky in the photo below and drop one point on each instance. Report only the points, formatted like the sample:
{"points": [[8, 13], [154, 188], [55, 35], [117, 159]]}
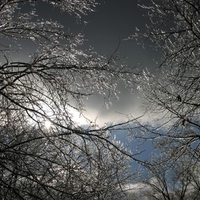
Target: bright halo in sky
{"points": [[47, 124], [77, 117]]}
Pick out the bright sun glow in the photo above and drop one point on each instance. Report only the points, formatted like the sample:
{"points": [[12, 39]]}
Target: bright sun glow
{"points": [[77, 117], [47, 124]]}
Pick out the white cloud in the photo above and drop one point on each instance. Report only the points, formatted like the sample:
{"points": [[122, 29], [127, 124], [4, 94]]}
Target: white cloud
{"points": [[137, 188]]}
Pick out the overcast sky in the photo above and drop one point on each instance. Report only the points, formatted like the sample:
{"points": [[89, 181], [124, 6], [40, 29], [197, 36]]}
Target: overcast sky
{"points": [[114, 20]]}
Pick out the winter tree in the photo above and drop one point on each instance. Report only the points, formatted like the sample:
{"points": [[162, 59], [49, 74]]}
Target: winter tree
{"points": [[44, 153], [171, 180], [171, 92]]}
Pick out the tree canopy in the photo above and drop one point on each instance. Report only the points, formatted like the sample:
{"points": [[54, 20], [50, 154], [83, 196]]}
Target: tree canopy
{"points": [[171, 94], [44, 153]]}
